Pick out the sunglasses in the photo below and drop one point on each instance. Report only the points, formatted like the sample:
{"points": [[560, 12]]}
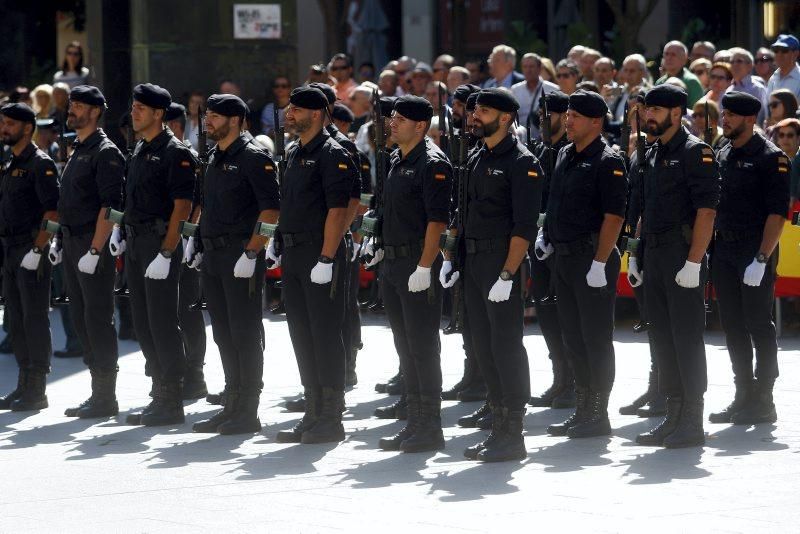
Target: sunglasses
{"points": [[564, 75], [700, 72], [718, 77], [774, 105], [764, 60], [786, 135]]}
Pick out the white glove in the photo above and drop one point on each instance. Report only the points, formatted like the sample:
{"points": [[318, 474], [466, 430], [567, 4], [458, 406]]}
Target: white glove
{"points": [[635, 276], [689, 275], [245, 267], [368, 250], [191, 257], [158, 268], [420, 280], [754, 273], [542, 249], [447, 268], [356, 251], [31, 260], [88, 263], [272, 255], [116, 244], [55, 255], [185, 242], [596, 277], [322, 273], [501, 290]]}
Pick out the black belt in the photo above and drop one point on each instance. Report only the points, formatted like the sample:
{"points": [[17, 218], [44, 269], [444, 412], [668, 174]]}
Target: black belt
{"points": [[303, 238], [579, 246], [157, 226], [738, 235], [393, 252], [223, 241], [75, 230], [19, 239], [480, 246], [674, 235]]}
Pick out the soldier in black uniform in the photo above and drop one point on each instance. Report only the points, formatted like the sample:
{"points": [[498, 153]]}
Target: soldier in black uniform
{"points": [[561, 394], [315, 193], [681, 192], [750, 218], [190, 316], [416, 212], [504, 191], [28, 195], [241, 188], [585, 213], [159, 193], [91, 183]]}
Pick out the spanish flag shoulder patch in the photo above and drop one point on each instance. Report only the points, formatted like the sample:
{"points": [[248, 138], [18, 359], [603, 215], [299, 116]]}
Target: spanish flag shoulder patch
{"points": [[49, 172], [618, 172], [440, 176], [269, 168], [185, 164], [708, 160], [783, 159], [782, 168], [533, 174], [342, 166]]}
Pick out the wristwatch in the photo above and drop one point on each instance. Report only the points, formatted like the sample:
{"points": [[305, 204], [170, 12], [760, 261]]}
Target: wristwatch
{"points": [[93, 251], [506, 275], [762, 258], [36, 250], [325, 259], [251, 254], [166, 253]]}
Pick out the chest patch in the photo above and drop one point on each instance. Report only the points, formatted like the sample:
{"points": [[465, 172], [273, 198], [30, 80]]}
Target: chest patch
{"points": [[308, 163], [494, 172], [744, 165], [671, 163], [153, 158], [83, 158], [229, 167]]}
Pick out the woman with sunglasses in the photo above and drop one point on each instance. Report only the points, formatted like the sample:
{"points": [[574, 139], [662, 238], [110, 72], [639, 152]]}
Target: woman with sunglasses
{"points": [[72, 71], [786, 134], [719, 79], [567, 76], [700, 68], [782, 105]]}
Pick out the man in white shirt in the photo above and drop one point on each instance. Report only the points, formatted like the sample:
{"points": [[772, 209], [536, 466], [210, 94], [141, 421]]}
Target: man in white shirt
{"points": [[530, 91], [786, 49]]}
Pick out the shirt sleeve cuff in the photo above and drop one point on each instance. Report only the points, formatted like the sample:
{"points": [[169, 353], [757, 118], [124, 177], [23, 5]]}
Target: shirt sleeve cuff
{"points": [[525, 231]]}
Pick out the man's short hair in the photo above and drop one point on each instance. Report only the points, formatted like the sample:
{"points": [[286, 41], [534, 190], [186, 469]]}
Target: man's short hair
{"points": [[341, 57], [592, 52], [607, 60], [738, 51], [638, 59], [568, 64], [679, 45], [536, 57], [447, 59], [509, 54], [790, 123], [387, 73], [705, 44], [460, 70]]}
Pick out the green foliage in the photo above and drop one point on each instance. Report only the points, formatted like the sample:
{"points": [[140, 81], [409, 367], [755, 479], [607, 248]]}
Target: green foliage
{"points": [[523, 38]]}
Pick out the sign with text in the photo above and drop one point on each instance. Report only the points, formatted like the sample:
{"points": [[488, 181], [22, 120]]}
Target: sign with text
{"points": [[256, 21]]}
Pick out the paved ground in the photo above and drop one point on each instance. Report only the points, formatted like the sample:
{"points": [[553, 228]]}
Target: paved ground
{"points": [[66, 475]]}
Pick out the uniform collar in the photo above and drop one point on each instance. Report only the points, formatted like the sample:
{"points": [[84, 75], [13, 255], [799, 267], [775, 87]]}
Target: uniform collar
{"points": [[416, 152], [159, 141], [312, 145], [677, 140], [591, 149], [26, 153], [93, 139], [238, 144], [751, 147], [508, 142]]}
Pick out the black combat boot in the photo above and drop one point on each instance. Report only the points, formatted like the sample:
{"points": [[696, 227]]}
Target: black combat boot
{"points": [[760, 408], [689, 432], [34, 395], [103, 401], [136, 418], [471, 420], [578, 416], [194, 383], [545, 400], [295, 405], [380, 387], [486, 422], [655, 407], [474, 392], [428, 434], [565, 399], [211, 424], [596, 422], [167, 406], [295, 434], [396, 410], [509, 445], [328, 427], [667, 426], [350, 377], [397, 387], [472, 451], [22, 379], [393, 443], [740, 400], [644, 398], [244, 419], [217, 398], [452, 393]]}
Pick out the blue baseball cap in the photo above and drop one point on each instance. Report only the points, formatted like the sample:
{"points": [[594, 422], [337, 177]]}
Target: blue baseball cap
{"points": [[786, 40]]}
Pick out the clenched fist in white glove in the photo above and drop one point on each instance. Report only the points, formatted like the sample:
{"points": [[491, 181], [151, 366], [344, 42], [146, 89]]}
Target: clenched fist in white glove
{"points": [[88, 263], [158, 268], [274, 259], [245, 267], [322, 273], [541, 248], [754, 273], [596, 277], [501, 290], [447, 268], [635, 276], [55, 254], [420, 279], [31, 260], [689, 275], [191, 256], [371, 255], [116, 244]]}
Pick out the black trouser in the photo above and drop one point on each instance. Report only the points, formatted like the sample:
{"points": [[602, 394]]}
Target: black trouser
{"points": [[542, 285], [154, 306], [746, 311], [27, 305], [586, 315], [193, 326], [638, 293], [677, 317], [497, 330], [415, 319], [351, 328], [468, 343], [234, 305], [91, 297], [73, 343], [315, 319]]}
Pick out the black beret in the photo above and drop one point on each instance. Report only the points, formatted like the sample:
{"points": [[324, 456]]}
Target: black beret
{"points": [[88, 94], [308, 98], [19, 112], [740, 103], [342, 113], [227, 105], [557, 102], [175, 111], [469, 105], [152, 96], [326, 89], [387, 105], [666, 96], [414, 108], [588, 104], [498, 98], [463, 91]]}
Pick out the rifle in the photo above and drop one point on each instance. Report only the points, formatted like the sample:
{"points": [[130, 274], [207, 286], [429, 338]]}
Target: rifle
{"points": [[547, 137], [118, 217], [625, 141], [265, 229], [708, 138], [634, 246], [708, 134], [372, 222], [62, 146], [453, 243], [443, 138]]}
